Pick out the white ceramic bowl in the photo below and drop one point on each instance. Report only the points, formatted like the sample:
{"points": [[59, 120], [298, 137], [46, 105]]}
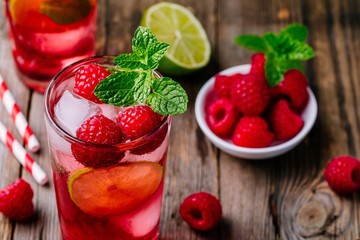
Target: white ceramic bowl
{"points": [[308, 115]]}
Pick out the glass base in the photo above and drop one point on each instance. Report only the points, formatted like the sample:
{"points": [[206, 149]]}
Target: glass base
{"points": [[34, 84]]}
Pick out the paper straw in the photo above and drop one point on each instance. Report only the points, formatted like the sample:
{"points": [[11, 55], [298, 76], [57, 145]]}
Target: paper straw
{"points": [[22, 156], [20, 121]]}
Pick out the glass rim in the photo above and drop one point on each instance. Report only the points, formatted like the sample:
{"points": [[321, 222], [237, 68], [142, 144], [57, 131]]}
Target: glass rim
{"points": [[70, 138]]}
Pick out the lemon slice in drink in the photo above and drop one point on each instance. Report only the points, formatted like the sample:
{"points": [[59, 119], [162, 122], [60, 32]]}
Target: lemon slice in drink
{"points": [[189, 46]]}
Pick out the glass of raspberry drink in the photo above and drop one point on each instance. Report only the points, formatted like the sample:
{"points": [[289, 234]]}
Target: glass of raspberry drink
{"points": [[108, 162], [47, 35]]}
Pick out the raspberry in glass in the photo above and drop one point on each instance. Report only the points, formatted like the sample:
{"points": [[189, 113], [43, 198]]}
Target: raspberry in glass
{"points": [[86, 80], [98, 129]]}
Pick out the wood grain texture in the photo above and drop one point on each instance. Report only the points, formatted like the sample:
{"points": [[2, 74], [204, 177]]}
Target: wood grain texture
{"points": [[280, 198]]}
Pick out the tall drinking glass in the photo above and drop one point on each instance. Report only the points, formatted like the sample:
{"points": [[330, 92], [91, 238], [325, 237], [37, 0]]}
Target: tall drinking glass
{"points": [[102, 191], [47, 35]]}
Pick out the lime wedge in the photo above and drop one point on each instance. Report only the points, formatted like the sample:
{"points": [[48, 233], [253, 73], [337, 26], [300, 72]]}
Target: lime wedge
{"points": [[189, 46]]}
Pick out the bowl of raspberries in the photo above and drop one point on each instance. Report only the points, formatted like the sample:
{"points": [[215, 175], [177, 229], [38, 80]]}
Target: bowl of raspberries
{"points": [[242, 115]]}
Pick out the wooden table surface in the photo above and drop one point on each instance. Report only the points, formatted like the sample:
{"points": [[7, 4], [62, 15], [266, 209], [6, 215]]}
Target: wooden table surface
{"points": [[281, 198]]}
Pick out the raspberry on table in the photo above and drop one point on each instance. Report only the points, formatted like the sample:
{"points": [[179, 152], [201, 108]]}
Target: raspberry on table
{"points": [[16, 201], [221, 116], [252, 132], [98, 129], [86, 79], [342, 174], [223, 84], [284, 122], [294, 87], [201, 210], [250, 94], [137, 121]]}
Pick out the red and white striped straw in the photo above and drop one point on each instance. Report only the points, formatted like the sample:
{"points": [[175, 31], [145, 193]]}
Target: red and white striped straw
{"points": [[22, 156], [20, 121]]}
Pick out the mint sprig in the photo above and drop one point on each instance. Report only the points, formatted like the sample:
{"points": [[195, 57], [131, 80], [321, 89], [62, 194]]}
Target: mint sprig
{"points": [[132, 81], [283, 51]]}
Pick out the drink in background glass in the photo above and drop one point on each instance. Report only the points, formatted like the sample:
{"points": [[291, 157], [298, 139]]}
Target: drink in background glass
{"points": [[47, 35], [115, 192]]}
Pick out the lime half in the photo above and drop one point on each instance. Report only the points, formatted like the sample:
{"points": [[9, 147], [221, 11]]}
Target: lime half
{"points": [[189, 46]]}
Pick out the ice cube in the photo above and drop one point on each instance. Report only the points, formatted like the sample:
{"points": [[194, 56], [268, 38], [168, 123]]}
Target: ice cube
{"points": [[71, 111], [110, 111], [143, 220]]}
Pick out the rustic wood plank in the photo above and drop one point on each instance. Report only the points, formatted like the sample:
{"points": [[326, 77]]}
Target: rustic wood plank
{"points": [[45, 224], [334, 214], [246, 185], [9, 167], [192, 164], [101, 27], [308, 208], [290, 177]]}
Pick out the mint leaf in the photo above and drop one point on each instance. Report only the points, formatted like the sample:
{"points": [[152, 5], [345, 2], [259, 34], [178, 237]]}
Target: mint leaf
{"points": [[273, 71], [148, 48], [300, 51], [130, 61], [156, 53], [286, 64], [168, 97], [285, 47], [272, 41], [296, 31], [66, 12], [284, 51], [142, 39], [118, 88], [132, 80], [252, 42], [142, 87], [275, 68]]}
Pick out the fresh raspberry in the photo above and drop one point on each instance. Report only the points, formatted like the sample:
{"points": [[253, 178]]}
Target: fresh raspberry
{"points": [[137, 121], [86, 80], [252, 132], [201, 210], [221, 116], [258, 64], [284, 122], [154, 141], [342, 174], [223, 84], [293, 86], [16, 201], [250, 94], [98, 129]]}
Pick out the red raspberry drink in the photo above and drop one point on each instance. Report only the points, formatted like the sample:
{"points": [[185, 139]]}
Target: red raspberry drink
{"points": [[108, 180], [47, 35]]}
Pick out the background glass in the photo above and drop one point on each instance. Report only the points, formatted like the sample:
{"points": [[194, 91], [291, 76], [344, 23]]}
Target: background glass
{"points": [[47, 35]]}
